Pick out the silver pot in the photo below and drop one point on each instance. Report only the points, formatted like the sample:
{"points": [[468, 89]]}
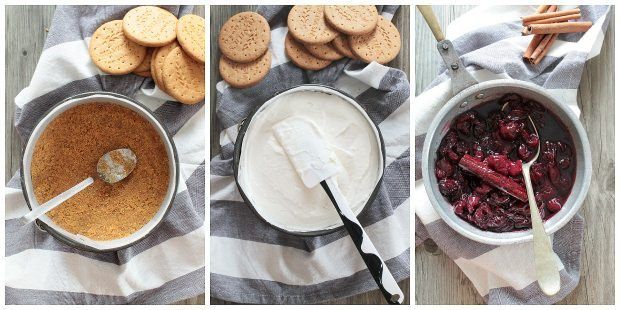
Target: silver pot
{"points": [[82, 242], [241, 137], [467, 94]]}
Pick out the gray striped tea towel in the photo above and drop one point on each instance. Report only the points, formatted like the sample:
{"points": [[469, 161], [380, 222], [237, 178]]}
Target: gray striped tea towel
{"points": [[168, 265], [492, 49], [251, 262]]}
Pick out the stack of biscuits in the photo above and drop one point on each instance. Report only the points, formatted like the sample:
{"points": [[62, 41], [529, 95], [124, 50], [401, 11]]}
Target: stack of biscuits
{"points": [[244, 44], [320, 34], [151, 42]]}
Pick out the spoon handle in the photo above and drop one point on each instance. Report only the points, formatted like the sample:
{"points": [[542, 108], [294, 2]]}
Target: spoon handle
{"points": [[546, 267], [376, 265], [55, 202]]}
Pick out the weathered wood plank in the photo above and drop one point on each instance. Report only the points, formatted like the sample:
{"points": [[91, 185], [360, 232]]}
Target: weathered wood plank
{"points": [[440, 281]]}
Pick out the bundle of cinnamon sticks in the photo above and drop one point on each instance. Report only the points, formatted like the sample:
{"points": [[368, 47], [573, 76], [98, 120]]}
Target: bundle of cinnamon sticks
{"points": [[546, 24]]}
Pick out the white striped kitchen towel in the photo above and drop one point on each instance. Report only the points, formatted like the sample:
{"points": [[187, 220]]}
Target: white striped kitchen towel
{"points": [[251, 262], [165, 267], [489, 41]]}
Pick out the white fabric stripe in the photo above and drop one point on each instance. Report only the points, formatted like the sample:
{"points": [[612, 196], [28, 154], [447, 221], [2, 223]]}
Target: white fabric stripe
{"points": [[374, 79], [189, 139], [387, 15], [278, 55], [333, 261], [61, 271], [395, 131], [75, 62], [423, 207], [484, 274], [152, 98], [224, 188], [14, 203], [350, 85], [185, 171]]}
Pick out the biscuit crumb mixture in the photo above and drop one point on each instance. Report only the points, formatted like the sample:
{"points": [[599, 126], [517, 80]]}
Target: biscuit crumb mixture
{"points": [[67, 152]]}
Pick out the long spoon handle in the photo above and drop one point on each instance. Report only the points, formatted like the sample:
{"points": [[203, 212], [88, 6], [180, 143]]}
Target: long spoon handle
{"points": [[546, 266], [55, 202], [376, 265], [431, 20]]}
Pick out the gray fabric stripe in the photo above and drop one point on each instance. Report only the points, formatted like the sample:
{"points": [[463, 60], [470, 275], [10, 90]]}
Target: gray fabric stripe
{"points": [[196, 189], [174, 115], [271, 292], [393, 91], [453, 243], [221, 167], [420, 232], [170, 292], [225, 214], [73, 23]]}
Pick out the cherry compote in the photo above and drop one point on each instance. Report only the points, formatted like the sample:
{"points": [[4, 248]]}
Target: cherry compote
{"points": [[479, 163]]}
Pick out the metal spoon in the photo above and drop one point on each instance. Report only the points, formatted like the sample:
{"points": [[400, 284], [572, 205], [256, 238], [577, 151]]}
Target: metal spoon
{"points": [[546, 268], [112, 167]]}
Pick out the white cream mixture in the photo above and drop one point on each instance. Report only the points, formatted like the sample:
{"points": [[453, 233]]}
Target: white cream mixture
{"points": [[270, 181]]}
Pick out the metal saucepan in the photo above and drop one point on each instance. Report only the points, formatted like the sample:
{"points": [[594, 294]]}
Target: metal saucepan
{"points": [[242, 133], [78, 241], [467, 93]]}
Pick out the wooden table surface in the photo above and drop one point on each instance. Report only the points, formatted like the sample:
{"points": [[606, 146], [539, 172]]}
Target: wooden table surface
{"points": [[440, 281], [219, 15], [26, 29]]}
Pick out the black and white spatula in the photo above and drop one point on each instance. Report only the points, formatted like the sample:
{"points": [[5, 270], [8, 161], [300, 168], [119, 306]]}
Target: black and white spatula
{"points": [[316, 164]]}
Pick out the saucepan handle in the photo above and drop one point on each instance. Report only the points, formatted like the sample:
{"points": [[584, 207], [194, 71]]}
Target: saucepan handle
{"points": [[460, 77]]}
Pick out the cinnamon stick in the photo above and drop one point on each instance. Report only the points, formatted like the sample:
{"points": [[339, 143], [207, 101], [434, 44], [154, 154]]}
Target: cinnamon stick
{"points": [[533, 44], [545, 50], [493, 178], [565, 27], [558, 19], [542, 8], [546, 15], [540, 48]]}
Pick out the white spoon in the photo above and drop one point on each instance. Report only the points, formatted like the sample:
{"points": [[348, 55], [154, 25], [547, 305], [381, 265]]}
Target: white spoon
{"points": [[316, 164], [546, 268], [112, 167]]}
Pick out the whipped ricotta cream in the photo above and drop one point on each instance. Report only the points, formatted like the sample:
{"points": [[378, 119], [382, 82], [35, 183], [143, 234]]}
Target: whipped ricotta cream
{"points": [[269, 179]]}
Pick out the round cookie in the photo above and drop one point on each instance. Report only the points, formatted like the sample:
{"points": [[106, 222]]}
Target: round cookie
{"points": [[144, 69], [352, 19], [381, 46], [341, 44], [184, 78], [112, 52], [150, 26], [301, 57], [307, 24], [157, 63], [244, 37], [243, 75], [191, 36], [324, 51]]}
